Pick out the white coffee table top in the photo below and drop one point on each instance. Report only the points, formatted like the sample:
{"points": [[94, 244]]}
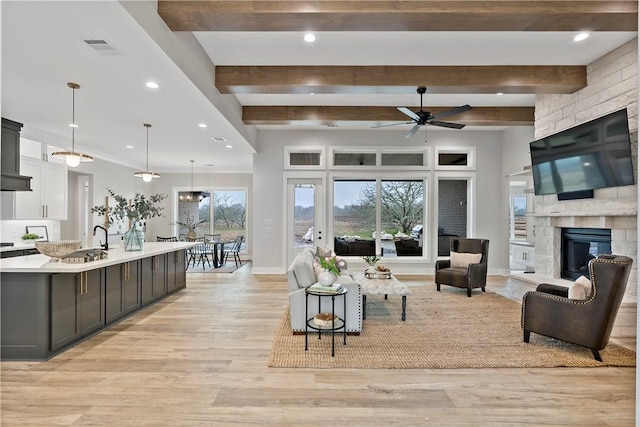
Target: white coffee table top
{"points": [[391, 286]]}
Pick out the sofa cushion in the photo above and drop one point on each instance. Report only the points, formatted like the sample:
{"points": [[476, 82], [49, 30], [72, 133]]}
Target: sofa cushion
{"points": [[303, 269], [463, 259], [580, 289]]}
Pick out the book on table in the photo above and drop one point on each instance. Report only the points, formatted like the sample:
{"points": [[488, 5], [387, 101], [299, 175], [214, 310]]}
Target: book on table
{"points": [[331, 289]]}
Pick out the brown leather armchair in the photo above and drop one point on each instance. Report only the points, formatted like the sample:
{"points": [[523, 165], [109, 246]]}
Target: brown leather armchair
{"points": [[585, 322], [474, 276]]}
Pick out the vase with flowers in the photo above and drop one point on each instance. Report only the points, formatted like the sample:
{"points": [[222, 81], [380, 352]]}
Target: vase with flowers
{"points": [[191, 226], [330, 269], [136, 210], [371, 261]]}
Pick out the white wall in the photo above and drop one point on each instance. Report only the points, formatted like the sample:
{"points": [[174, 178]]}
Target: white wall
{"points": [[269, 203]]}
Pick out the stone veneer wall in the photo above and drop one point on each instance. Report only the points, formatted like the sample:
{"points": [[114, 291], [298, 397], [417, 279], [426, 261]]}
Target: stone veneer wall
{"points": [[612, 84]]}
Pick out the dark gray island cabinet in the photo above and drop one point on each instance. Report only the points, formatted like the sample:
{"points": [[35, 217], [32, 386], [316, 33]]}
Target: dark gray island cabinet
{"points": [[46, 308]]}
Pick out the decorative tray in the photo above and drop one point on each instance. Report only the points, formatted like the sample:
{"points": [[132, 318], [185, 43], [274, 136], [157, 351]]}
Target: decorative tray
{"points": [[375, 274]]}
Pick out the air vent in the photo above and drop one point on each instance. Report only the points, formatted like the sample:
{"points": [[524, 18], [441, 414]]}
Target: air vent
{"points": [[102, 46], [218, 139]]}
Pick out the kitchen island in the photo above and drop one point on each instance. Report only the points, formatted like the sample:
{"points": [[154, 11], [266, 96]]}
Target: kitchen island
{"points": [[47, 307]]}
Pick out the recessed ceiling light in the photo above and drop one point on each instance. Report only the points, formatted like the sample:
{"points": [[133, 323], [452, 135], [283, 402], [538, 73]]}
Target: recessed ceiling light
{"points": [[202, 125], [311, 93], [229, 146], [500, 93], [73, 125], [309, 38], [152, 85], [580, 37], [128, 146]]}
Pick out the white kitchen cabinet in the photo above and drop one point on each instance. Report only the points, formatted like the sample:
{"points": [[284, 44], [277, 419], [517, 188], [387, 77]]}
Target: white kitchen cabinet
{"points": [[48, 198], [523, 256]]}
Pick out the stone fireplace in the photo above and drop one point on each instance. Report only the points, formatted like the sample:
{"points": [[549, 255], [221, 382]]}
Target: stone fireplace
{"points": [[621, 222]]}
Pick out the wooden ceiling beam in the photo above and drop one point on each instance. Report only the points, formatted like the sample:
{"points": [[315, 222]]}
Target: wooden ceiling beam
{"points": [[379, 15], [328, 115], [531, 79]]}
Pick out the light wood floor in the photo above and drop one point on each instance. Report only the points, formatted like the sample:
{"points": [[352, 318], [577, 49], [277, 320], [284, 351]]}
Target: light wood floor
{"points": [[199, 358]]}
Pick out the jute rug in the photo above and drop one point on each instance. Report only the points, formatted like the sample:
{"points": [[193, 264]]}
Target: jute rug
{"points": [[443, 330]]}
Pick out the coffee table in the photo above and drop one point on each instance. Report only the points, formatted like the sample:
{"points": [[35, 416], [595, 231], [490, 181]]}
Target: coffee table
{"points": [[390, 286]]}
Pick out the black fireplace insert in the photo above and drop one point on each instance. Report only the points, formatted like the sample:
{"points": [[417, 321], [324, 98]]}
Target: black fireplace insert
{"points": [[579, 246]]}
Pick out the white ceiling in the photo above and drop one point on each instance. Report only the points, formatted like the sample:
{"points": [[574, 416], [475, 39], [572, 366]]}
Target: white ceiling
{"points": [[43, 49]]}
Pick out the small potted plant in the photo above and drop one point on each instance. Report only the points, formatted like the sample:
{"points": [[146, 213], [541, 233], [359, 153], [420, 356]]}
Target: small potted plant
{"points": [[191, 226], [371, 261], [30, 237]]}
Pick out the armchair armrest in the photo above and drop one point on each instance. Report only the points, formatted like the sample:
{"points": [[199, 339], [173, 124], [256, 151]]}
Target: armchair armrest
{"points": [[547, 288], [477, 274], [442, 263]]}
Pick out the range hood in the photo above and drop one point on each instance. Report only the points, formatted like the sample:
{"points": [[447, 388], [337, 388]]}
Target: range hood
{"points": [[10, 178]]}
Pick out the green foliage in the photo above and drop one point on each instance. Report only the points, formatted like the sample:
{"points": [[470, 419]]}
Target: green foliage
{"points": [[136, 210], [30, 236], [371, 259]]}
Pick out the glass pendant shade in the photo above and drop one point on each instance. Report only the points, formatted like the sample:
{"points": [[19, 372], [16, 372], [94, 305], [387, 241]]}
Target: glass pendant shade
{"points": [[146, 175], [71, 158]]}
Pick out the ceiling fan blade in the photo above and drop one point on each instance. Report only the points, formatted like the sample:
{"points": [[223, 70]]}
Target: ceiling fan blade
{"points": [[392, 124], [446, 124], [412, 131], [409, 113], [451, 112]]}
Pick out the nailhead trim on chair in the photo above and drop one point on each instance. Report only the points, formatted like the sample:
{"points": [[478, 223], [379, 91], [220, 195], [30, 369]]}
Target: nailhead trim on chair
{"points": [[567, 300]]}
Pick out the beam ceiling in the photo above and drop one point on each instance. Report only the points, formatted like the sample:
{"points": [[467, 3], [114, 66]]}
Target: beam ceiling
{"points": [[382, 15], [471, 15], [326, 115], [399, 79]]}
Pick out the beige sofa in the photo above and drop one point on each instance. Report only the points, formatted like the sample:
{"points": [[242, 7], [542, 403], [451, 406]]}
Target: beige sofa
{"points": [[300, 275]]}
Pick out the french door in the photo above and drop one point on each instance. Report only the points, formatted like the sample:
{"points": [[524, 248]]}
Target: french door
{"points": [[306, 203]]}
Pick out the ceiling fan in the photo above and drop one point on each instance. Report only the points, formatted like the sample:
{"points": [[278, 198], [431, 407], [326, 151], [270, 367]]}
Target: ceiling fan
{"points": [[421, 118]]}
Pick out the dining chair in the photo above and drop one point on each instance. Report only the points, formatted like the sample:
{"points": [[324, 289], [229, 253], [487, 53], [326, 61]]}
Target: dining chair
{"points": [[235, 251], [199, 253], [166, 239]]}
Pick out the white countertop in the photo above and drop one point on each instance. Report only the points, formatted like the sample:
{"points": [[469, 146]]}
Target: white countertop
{"points": [[42, 264], [17, 247]]}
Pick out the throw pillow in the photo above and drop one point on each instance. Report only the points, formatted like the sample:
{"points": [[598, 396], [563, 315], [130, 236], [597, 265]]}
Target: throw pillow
{"points": [[463, 259], [303, 269], [580, 289]]}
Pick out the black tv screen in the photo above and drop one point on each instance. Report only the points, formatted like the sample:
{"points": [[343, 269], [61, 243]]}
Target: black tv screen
{"points": [[596, 154]]}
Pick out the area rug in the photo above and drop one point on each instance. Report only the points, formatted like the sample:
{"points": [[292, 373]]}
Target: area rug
{"points": [[442, 330], [229, 267]]}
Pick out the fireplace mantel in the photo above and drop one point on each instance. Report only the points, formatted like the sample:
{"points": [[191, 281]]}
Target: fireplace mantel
{"points": [[616, 212]]}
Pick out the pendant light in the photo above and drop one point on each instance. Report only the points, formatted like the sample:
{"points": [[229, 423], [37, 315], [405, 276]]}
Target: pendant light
{"points": [[146, 175], [71, 158], [192, 196]]}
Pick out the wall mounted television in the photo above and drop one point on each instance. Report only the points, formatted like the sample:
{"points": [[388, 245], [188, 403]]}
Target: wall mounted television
{"points": [[595, 154]]}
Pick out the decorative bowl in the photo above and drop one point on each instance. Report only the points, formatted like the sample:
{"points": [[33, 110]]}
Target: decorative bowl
{"points": [[58, 248], [324, 319]]}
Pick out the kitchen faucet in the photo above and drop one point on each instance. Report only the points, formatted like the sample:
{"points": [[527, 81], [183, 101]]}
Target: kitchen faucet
{"points": [[106, 237]]}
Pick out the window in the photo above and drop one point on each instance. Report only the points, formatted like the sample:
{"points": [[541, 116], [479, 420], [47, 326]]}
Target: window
{"points": [[400, 204], [221, 212], [304, 158], [455, 158], [517, 210], [304, 215], [230, 215]]}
